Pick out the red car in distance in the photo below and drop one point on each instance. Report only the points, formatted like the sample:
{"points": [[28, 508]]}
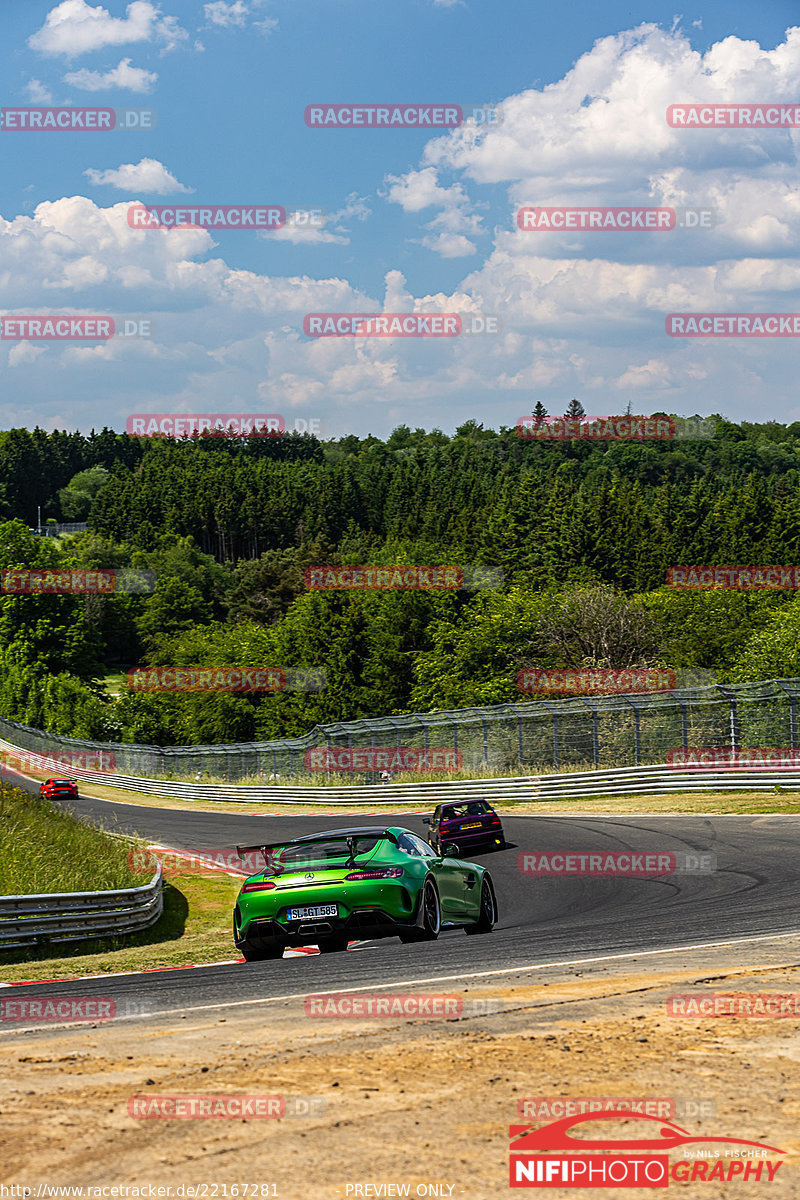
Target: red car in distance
{"points": [[59, 789]]}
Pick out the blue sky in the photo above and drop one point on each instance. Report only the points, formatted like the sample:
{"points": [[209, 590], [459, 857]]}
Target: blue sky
{"points": [[414, 221]]}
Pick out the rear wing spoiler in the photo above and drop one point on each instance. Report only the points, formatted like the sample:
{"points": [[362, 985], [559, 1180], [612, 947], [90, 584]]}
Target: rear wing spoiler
{"points": [[350, 838]]}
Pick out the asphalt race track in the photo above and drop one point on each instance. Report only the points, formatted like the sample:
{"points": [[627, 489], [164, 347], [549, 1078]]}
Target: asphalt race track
{"points": [[543, 920]]}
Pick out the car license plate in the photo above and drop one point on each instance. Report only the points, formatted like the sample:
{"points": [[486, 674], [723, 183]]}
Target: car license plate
{"points": [[472, 825], [310, 911]]}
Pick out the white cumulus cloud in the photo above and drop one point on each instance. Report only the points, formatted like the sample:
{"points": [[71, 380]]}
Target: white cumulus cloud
{"points": [[75, 27], [123, 75], [148, 175]]}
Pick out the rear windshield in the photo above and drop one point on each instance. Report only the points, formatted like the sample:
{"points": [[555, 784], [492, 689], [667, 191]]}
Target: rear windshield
{"points": [[473, 808], [62, 782], [332, 853]]}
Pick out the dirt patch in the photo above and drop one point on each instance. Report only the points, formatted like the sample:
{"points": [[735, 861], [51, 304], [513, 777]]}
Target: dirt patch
{"points": [[417, 1102]]}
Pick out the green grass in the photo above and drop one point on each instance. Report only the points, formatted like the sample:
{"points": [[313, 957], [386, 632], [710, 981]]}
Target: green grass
{"points": [[114, 682], [44, 849]]}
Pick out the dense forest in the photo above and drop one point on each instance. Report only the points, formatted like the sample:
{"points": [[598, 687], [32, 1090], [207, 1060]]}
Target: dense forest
{"points": [[582, 531]]}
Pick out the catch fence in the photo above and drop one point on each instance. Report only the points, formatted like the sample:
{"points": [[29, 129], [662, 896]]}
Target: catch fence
{"points": [[526, 738]]}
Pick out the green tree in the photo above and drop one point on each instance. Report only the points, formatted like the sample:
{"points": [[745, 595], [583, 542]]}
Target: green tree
{"points": [[77, 497]]}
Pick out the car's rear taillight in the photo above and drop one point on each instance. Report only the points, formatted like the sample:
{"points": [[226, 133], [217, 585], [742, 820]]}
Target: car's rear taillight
{"points": [[495, 821], [387, 873], [263, 885]]}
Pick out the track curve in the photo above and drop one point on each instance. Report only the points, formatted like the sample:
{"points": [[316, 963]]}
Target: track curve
{"points": [[752, 893]]}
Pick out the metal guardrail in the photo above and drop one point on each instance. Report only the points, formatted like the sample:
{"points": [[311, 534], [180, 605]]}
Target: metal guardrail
{"points": [[76, 916], [657, 779]]}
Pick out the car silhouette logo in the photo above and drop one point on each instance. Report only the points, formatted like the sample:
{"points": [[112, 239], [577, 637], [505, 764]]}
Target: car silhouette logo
{"points": [[557, 1136]]}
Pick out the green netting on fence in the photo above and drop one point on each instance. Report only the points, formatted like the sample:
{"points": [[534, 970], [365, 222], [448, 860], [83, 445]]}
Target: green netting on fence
{"points": [[551, 735]]}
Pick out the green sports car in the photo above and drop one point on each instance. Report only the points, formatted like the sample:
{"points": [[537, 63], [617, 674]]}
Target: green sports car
{"points": [[330, 888]]}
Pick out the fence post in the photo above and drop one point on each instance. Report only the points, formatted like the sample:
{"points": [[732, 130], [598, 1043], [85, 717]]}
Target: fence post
{"points": [[684, 724], [595, 735], [485, 741], [792, 714], [793, 720], [637, 730], [554, 711]]}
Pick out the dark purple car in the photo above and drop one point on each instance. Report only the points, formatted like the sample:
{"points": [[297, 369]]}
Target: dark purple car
{"points": [[469, 825]]}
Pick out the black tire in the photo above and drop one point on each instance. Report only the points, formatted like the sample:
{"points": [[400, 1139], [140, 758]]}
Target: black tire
{"points": [[487, 918], [431, 916], [333, 945], [451, 850]]}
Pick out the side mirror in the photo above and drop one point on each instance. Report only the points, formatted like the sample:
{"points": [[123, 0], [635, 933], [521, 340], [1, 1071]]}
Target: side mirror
{"points": [[426, 820]]}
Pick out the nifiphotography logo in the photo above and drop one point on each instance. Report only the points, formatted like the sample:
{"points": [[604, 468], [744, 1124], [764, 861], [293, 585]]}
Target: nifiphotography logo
{"points": [[552, 1156]]}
